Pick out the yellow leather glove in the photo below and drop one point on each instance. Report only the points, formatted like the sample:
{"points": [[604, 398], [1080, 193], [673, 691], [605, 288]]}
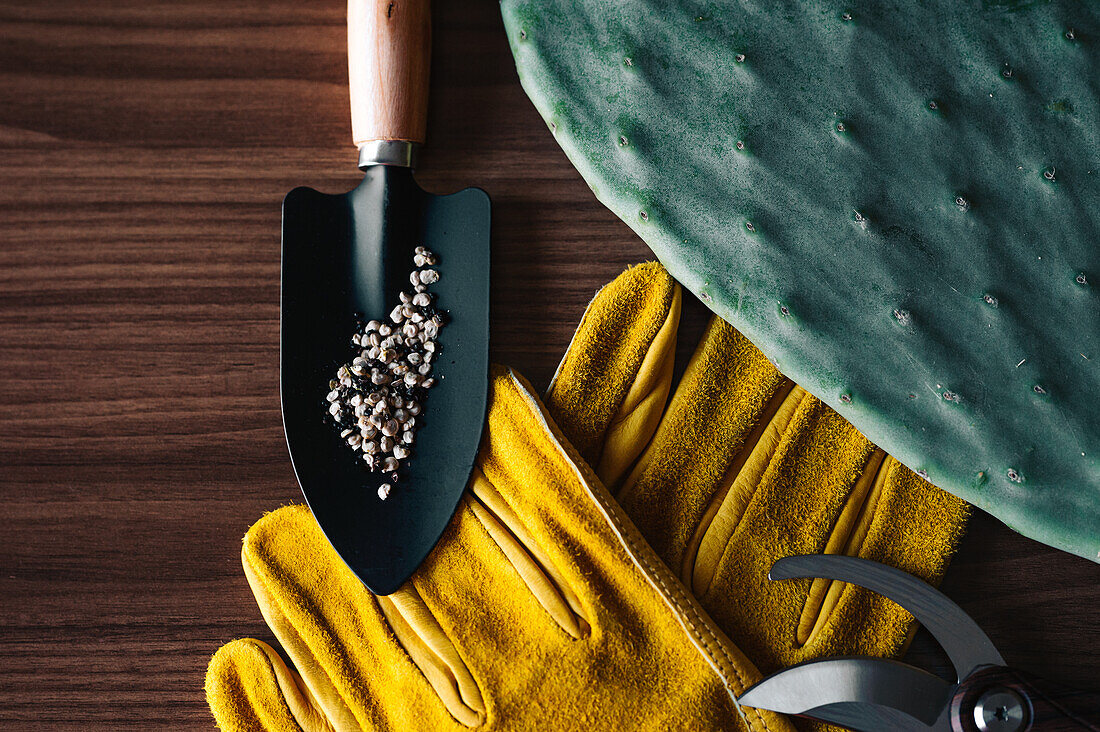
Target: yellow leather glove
{"points": [[742, 468], [717, 510], [540, 608]]}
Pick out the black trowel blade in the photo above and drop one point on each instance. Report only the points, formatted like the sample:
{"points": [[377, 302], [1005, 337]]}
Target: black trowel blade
{"points": [[350, 255]]}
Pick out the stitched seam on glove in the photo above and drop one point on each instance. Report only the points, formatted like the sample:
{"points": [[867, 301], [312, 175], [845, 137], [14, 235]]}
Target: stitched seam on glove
{"points": [[731, 499], [231, 680], [333, 704], [846, 538], [698, 629], [643, 406], [607, 349], [433, 652], [490, 497], [533, 575]]}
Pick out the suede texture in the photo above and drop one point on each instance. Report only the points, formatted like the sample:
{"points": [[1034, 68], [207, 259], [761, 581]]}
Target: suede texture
{"points": [[720, 512], [646, 656], [543, 607]]}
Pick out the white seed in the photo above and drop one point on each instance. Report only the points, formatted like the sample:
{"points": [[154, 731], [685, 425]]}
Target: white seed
{"points": [[378, 378], [346, 432], [428, 276], [384, 491], [428, 383], [356, 399], [373, 326], [385, 329], [390, 464], [397, 314], [356, 339], [342, 372], [420, 288], [404, 297], [410, 330], [400, 452], [422, 299], [364, 423], [355, 440], [401, 415], [374, 397], [362, 409], [390, 428], [387, 355], [430, 329], [419, 260], [333, 395], [414, 277], [334, 408], [408, 437], [429, 357], [417, 317], [370, 460], [369, 432], [413, 342], [374, 339], [413, 408], [407, 310], [430, 346], [385, 444], [375, 420], [412, 379], [370, 447], [413, 358], [425, 369]]}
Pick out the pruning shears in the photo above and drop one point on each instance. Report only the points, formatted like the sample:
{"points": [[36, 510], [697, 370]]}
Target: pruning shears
{"points": [[873, 694]]}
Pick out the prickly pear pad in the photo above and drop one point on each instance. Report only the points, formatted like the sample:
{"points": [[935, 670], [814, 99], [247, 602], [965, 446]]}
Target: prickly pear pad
{"points": [[898, 202]]}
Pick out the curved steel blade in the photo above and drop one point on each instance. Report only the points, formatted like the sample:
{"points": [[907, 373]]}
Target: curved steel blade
{"points": [[966, 644], [866, 718], [853, 692]]}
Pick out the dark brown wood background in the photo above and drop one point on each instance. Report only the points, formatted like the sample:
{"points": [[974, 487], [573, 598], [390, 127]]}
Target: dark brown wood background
{"points": [[144, 150]]}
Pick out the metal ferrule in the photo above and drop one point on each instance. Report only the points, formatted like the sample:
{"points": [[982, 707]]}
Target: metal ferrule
{"points": [[401, 153]]}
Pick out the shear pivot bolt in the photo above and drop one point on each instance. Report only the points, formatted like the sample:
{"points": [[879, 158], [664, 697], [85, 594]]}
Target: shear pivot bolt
{"points": [[1000, 710]]}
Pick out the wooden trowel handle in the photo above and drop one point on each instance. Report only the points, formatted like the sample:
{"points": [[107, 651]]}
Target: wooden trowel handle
{"points": [[389, 52]]}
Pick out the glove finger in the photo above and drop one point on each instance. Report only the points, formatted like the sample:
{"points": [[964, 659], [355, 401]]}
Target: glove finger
{"points": [[361, 669], [560, 611], [728, 389], [250, 689], [822, 488], [613, 382], [745, 468]]}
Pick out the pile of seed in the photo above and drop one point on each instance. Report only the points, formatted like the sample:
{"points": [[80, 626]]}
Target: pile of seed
{"points": [[375, 400]]}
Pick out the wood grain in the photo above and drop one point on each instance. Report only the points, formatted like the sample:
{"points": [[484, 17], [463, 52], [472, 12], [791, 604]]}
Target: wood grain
{"points": [[144, 150], [389, 51]]}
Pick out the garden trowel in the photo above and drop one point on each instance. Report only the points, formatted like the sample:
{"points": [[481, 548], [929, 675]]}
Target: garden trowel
{"points": [[347, 257]]}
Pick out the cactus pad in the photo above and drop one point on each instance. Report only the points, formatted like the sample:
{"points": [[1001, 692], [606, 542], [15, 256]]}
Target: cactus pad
{"points": [[897, 201]]}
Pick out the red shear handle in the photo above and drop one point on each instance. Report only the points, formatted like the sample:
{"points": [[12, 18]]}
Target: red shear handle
{"points": [[1006, 700]]}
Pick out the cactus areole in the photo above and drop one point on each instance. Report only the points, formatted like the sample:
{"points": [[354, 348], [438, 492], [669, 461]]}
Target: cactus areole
{"points": [[898, 202]]}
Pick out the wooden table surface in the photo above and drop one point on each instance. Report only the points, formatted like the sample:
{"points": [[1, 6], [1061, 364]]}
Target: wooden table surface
{"points": [[144, 150]]}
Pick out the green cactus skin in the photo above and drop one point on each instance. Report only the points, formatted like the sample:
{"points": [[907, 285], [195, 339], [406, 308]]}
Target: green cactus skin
{"points": [[897, 201]]}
